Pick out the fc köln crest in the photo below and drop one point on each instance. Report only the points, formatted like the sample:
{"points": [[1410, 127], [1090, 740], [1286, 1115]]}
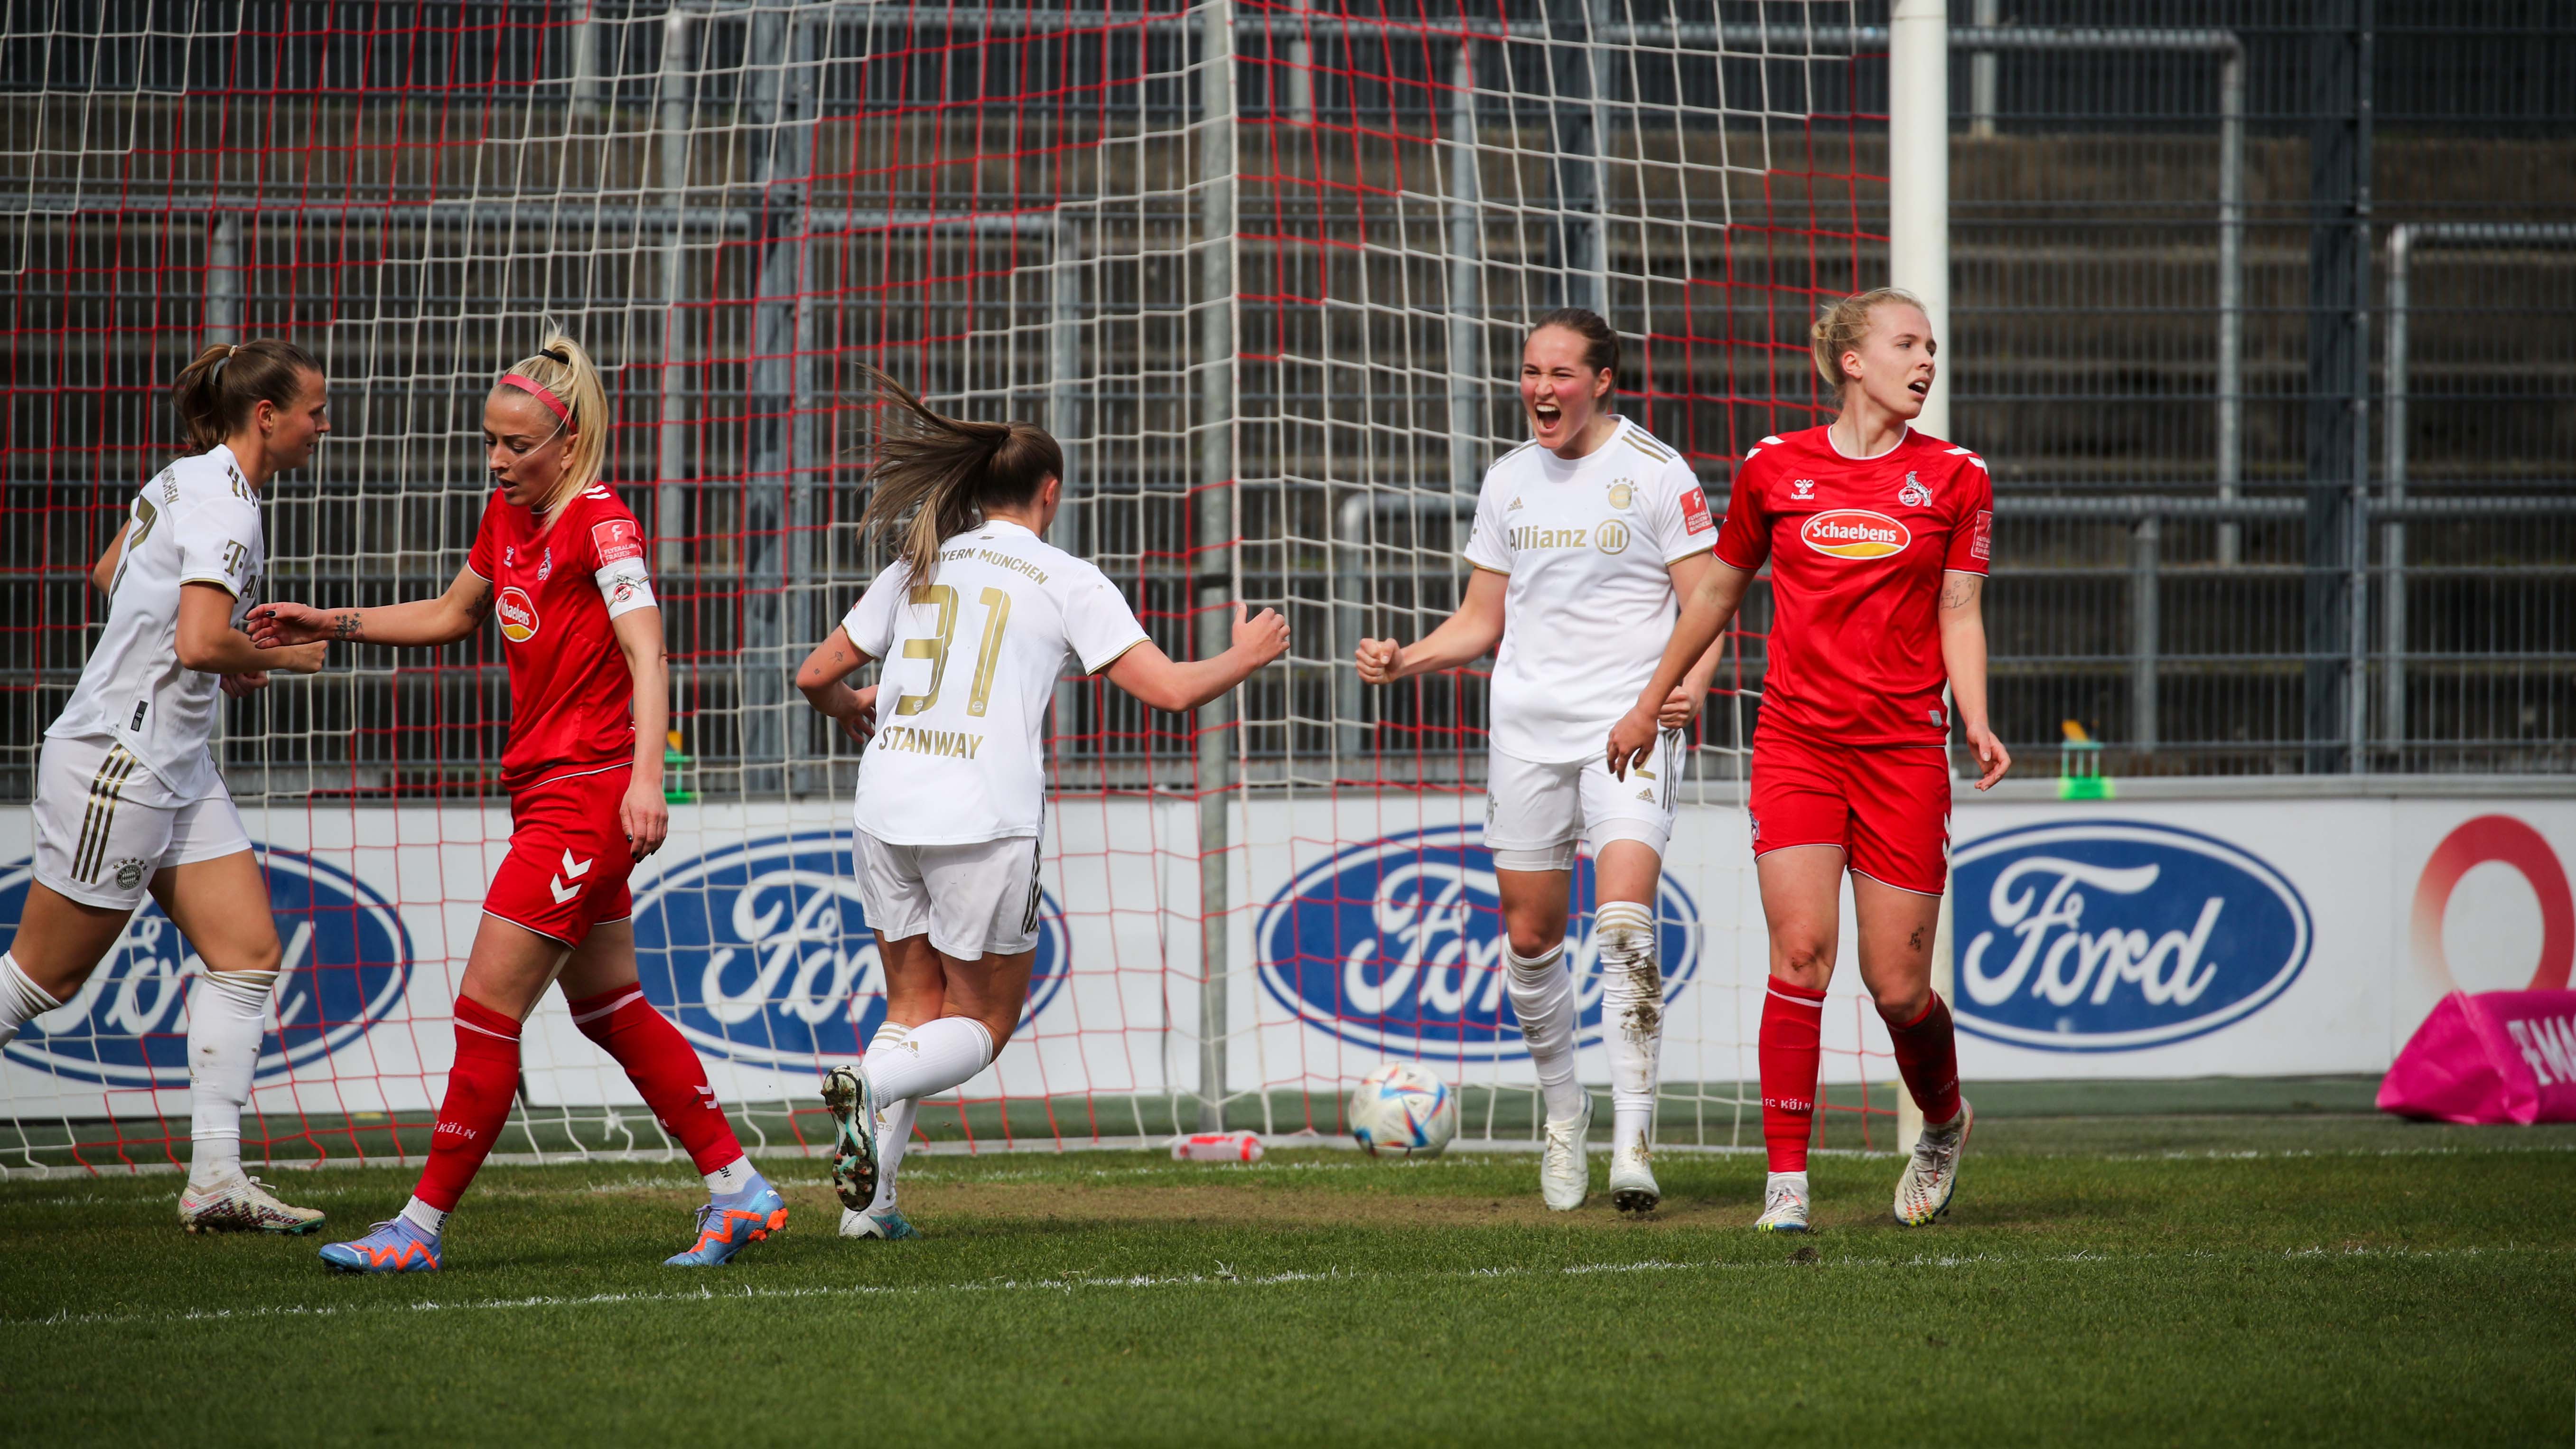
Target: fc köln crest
{"points": [[1913, 494]]}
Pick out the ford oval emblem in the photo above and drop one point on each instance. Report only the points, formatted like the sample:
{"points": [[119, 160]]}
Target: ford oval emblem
{"points": [[762, 952], [1398, 945], [2113, 935], [347, 960]]}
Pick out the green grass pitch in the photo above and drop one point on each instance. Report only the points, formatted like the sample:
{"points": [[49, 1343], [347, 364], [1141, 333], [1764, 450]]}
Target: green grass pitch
{"points": [[2328, 1280]]}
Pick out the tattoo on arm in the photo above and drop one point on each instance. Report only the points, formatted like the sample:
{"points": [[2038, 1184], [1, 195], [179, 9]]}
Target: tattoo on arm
{"points": [[348, 626], [478, 605], [1958, 591]]}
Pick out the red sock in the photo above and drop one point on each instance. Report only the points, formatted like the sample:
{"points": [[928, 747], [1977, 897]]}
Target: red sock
{"points": [[1793, 1023], [663, 1066], [1927, 1055], [479, 1091]]}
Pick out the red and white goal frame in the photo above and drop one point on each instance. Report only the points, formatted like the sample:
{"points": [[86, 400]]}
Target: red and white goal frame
{"points": [[1263, 267]]}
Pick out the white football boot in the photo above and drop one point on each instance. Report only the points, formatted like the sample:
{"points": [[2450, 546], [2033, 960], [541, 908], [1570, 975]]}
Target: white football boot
{"points": [[1632, 1178], [1932, 1173], [1565, 1164], [237, 1203], [1784, 1204]]}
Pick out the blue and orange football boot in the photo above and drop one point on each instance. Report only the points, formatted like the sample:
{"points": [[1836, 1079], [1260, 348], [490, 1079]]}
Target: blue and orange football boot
{"points": [[398, 1246], [729, 1224]]}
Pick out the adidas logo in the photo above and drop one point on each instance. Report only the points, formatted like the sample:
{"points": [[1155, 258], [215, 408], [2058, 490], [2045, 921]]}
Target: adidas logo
{"points": [[1515, 508], [1646, 795]]}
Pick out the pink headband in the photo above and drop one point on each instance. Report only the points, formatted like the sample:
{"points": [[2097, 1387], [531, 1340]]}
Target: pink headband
{"points": [[535, 389]]}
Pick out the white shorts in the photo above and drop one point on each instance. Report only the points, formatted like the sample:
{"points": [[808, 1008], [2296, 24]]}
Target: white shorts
{"points": [[105, 824], [974, 900], [1534, 813]]}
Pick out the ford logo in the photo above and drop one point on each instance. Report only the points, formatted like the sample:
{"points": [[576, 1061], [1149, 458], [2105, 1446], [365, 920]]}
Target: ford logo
{"points": [[347, 961], [2113, 935], [761, 952], [1398, 945]]}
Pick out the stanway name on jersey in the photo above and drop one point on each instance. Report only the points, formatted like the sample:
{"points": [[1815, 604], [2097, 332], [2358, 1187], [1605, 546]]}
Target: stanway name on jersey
{"points": [[955, 744], [1855, 533]]}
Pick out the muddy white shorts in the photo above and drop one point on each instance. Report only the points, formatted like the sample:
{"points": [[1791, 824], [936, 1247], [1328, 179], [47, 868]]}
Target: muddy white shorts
{"points": [[1534, 813], [105, 825], [973, 900]]}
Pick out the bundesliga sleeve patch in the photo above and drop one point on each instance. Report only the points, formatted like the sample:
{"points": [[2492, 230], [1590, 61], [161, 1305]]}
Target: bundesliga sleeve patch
{"points": [[1695, 517], [1981, 542], [617, 539]]}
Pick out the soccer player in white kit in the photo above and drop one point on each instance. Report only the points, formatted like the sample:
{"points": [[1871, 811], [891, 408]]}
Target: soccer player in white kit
{"points": [[974, 622], [1593, 574], [128, 799]]}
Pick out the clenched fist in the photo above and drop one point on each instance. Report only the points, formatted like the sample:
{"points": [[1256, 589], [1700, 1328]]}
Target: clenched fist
{"points": [[1381, 661]]}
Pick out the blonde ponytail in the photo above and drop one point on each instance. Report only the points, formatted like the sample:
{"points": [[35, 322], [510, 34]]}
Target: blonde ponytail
{"points": [[567, 376]]}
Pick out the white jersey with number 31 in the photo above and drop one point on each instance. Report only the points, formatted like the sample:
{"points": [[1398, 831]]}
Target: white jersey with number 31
{"points": [[196, 523], [971, 663]]}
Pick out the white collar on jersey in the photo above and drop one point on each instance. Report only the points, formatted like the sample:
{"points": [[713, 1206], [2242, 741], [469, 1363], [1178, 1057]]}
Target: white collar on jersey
{"points": [[1906, 431], [993, 523]]}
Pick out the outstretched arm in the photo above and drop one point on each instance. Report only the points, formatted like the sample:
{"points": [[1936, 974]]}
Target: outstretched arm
{"points": [[1165, 683], [422, 622], [1711, 591], [1463, 638], [208, 643], [1963, 654], [825, 681]]}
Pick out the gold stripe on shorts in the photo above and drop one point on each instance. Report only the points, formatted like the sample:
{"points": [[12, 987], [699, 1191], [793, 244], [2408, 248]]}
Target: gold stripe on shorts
{"points": [[106, 788]]}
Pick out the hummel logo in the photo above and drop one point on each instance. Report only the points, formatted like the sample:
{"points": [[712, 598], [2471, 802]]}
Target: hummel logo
{"points": [[575, 869], [1803, 490]]}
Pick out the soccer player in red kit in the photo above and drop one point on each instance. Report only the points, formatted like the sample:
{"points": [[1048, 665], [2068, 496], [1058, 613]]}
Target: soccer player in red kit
{"points": [[560, 562], [1878, 538]]}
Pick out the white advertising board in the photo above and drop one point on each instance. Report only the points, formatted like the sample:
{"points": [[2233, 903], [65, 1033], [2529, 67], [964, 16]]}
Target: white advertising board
{"points": [[2151, 938]]}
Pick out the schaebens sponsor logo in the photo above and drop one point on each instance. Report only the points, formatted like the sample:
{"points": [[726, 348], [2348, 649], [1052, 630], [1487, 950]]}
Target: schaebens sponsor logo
{"points": [[1855, 533], [762, 951], [2116, 935], [1398, 944], [518, 615], [347, 960]]}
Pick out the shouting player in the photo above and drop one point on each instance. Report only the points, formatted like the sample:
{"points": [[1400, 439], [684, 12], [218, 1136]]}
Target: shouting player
{"points": [[127, 796], [1586, 536], [1878, 538], [560, 561], [974, 621]]}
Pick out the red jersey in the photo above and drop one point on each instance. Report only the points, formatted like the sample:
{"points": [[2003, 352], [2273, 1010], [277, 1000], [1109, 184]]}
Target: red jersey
{"points": [[572, 699], [1857, 548]]}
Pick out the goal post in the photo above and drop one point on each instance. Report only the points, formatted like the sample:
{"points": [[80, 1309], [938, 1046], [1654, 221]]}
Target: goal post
{"points": [[1264, 268], [1918, 260]]}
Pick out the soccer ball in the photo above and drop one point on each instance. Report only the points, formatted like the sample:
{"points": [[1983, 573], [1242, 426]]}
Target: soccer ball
{"points": [[1402, 1110]]}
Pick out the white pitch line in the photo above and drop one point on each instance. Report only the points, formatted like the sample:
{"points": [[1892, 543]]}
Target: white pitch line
{"points": [[1222, 1279]]}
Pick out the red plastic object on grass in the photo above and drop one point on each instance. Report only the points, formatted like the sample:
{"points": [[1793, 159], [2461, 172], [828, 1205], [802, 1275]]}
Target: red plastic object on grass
{"points": [[2497, 1056]]}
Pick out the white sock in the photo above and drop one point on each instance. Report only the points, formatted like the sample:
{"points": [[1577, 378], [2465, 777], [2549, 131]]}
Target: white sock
{"points": [[894, 1121], [1794, 1181], [731, 1178], [424, 1217], [21, 999], [1542, 992], [894, 1134], [932, 1058], [1632, 1017], [227, 1016]]}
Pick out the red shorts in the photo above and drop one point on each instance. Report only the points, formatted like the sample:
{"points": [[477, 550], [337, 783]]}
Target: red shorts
{"points": [[568, 862], [1888, 807]]}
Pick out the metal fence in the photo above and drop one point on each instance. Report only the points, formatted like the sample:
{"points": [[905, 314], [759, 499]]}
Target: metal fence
{"points": [[2264, 312]]}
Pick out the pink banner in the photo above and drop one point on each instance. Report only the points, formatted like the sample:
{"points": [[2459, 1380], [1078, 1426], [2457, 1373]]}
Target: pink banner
{"points": [[2497, 1056]]}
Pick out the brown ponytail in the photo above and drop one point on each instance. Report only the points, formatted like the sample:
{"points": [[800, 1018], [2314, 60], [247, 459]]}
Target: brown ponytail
{"points": [[935, 475], [215, 395]]}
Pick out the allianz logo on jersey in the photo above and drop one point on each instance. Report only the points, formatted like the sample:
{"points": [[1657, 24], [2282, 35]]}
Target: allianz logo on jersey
{"points": [[1398, 944], [347, 962], [2114, 935], [761, 951]]}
